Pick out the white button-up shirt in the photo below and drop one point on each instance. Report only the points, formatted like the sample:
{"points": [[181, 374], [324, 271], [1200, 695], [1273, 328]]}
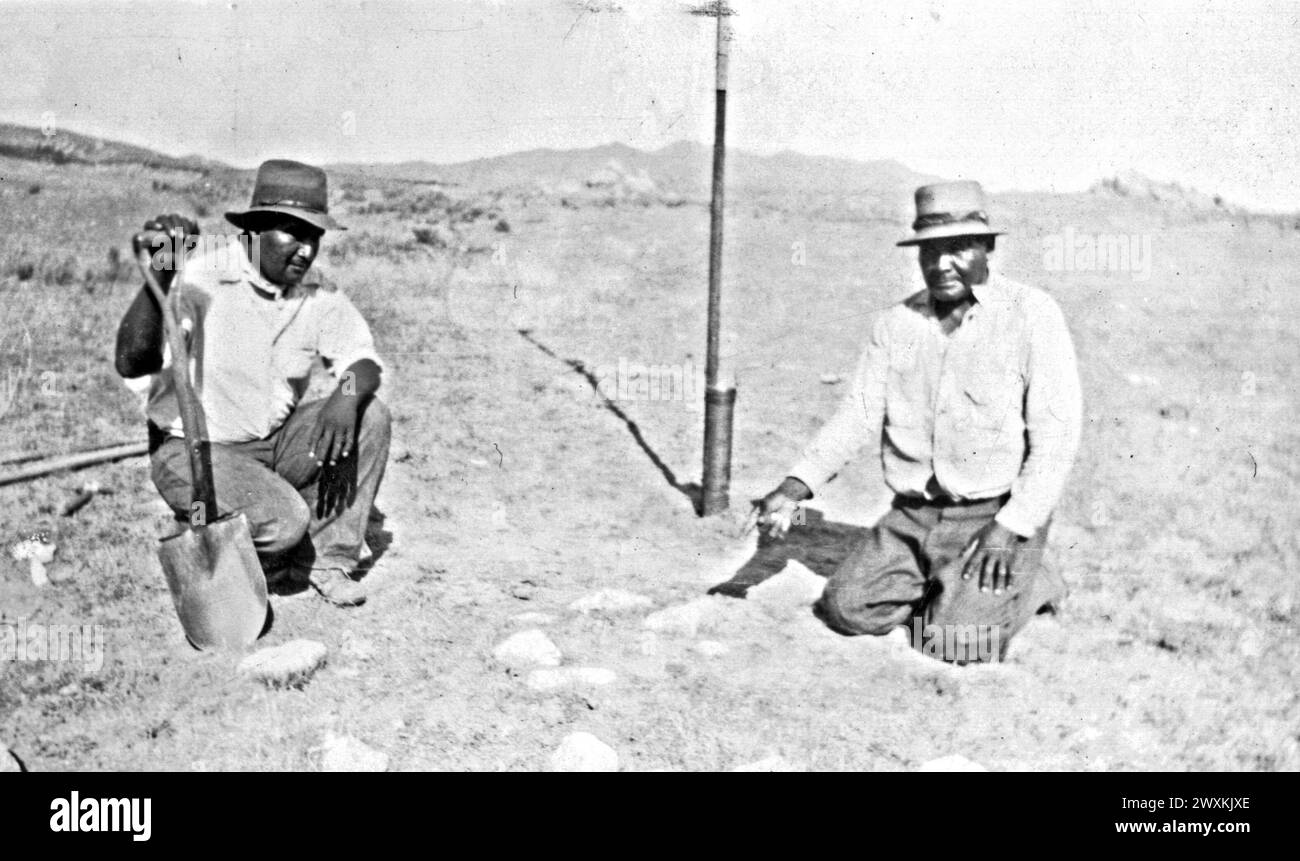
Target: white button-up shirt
{"points": [[993, 407], [252, 345]]}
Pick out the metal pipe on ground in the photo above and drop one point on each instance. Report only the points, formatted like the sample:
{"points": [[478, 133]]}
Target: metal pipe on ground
{"points": [[74, 461]]}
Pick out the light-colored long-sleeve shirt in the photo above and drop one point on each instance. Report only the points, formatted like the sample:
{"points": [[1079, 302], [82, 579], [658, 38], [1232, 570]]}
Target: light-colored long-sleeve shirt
{"points": [[994, 407], [252, 345]]}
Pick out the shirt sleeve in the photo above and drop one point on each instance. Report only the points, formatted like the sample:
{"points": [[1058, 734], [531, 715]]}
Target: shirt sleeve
{"points": [[1053, 421], [344, 336], [857, 420]]}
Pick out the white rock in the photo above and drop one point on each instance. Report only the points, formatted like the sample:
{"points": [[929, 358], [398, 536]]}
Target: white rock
{"points": [[344, 753], [1086, 735], [555, 678], [582, 751], [687, 618], [292, 663], [610, 601], [8, 764], [832, 379], [952, 762], [526, 649], [533, 617], [359, 647], [711, 648], [794, 586], [1250, 644], [770, 764]]}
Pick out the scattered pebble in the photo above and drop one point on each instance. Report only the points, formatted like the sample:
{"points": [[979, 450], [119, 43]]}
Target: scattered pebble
{"points": [[582, 751], [1281, 606], [1086, 735], [711, 648], [344, 753], [1250, 644], [37, 551], [952, 762], [526, 649], [8, 761], [795, 586], [359, 648], [687, 618], [611, 601], [832, 379], [287, 665], [555, 678], [777, 764]]}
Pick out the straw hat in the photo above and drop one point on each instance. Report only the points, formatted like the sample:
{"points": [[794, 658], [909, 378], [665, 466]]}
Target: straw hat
{"points": [[950, 209]]}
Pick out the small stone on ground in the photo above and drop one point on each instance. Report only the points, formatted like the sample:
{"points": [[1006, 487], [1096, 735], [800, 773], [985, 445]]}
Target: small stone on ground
{"points": [[794, 586], [711, 648], [292, 663], [526, 649], [8, 761], [556, 678], [344, 753], [611, 601], [952, 762], [690, 617], [582, 751]]}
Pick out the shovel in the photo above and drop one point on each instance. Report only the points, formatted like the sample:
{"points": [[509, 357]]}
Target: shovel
{"points": [[212, 570]]}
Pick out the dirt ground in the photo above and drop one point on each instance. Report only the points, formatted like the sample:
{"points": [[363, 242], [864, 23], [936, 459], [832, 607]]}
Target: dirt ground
{"points": [[517, 487]]}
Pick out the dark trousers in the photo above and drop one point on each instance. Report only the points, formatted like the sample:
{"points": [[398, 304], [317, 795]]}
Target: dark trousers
{"points": [[908, 572], [276, 484]]}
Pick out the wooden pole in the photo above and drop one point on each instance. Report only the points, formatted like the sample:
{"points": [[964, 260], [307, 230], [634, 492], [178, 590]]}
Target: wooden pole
{"points": [[719, 395]]}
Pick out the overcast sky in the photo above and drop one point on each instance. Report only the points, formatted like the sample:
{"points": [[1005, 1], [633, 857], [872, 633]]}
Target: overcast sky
{"points": [[1025, 95]]}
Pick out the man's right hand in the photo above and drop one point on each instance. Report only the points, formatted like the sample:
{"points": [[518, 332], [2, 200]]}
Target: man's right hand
{"points": [[175, 228], [775, 512]]}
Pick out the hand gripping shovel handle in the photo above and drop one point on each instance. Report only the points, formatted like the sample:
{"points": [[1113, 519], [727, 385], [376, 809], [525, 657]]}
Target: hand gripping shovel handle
{"points": [[192, 419]]}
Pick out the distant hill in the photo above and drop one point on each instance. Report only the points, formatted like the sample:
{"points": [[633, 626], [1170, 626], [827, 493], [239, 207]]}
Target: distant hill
{"points": [[67, 147], [607, 175], [682, 168], [1134, 185]]}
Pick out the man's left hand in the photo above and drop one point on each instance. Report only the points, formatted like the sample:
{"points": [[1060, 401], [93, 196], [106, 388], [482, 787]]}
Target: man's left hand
{"points": [[334, 439], [335, 433], [992, 553]]}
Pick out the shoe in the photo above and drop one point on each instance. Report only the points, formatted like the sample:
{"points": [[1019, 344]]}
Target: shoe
{"points": [[337, 587]]}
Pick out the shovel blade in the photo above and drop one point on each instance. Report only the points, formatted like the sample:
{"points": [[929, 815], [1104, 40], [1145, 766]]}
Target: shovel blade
{"points": [[216, 582]]}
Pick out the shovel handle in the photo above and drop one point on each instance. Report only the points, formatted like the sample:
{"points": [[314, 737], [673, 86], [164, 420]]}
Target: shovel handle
{"points": [[192, 419]]}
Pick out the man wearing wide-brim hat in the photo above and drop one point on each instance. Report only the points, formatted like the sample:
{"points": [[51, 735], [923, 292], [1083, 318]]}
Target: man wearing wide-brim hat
{"points": [[304, 473], [970, 387]]}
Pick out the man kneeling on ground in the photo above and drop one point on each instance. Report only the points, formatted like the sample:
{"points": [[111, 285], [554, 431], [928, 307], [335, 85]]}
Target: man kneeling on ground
{"points": [[304, 474], [970, 389]]}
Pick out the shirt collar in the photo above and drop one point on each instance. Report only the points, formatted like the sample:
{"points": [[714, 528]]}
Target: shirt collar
{"points": [[990, 291]]}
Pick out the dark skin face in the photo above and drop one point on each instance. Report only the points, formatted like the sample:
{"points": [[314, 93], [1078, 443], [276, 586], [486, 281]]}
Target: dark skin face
{"points": [[953, 266], [287, 247]]}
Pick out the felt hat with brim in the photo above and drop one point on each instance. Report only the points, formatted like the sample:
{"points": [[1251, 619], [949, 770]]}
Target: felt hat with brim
{"points": [[289, 188], [949, 209]]}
